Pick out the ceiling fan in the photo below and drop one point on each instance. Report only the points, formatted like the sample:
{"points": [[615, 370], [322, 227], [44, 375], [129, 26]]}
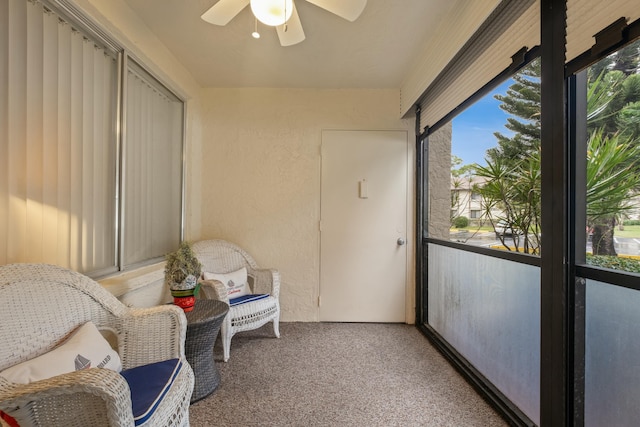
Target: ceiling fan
{"points": [[281, 14]]}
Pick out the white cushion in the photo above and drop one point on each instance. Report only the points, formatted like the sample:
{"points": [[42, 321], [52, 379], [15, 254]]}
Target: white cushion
{"points": [[235, 282], [85, 348]]}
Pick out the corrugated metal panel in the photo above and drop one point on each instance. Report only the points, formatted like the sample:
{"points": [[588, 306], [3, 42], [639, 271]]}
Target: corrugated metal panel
{"points": [[441, 50], [585, 18], [513, 25]]}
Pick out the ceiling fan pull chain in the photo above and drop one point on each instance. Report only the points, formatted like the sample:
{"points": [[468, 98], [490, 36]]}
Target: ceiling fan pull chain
{"points": [[285, 14], [255, 34]]}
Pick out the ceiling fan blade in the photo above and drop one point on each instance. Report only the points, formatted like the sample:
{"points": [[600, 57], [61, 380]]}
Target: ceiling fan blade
{"points": [[347, 9], [294, 33], [224, 11]]}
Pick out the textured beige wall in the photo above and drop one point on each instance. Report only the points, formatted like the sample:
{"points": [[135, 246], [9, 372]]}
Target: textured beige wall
{"points": [[438, 217], [253, 161], [261, 174]]}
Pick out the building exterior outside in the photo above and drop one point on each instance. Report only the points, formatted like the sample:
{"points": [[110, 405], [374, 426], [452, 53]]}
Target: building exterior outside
{"points": [[467, 201]]}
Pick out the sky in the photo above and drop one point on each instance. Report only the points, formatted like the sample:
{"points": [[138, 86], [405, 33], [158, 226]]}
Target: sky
{"points": [[473, 129]]}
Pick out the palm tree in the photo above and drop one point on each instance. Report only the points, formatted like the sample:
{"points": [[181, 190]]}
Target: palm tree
{"points": [[612, 157], [513, 167], [611, 180], [514, 191]]}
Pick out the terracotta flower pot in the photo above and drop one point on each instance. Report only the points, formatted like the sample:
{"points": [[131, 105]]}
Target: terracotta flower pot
{"points": [[185, 298], [185, 302]]}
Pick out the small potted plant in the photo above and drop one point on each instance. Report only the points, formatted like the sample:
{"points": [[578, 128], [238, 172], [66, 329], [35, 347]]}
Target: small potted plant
{"points": [[181, 273]]}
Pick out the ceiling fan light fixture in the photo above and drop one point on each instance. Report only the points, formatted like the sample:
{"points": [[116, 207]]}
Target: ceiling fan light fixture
{"points": [[272, 12]]}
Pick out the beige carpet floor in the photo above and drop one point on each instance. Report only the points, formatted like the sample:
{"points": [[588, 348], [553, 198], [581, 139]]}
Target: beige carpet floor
{"points": [[339, 374]]}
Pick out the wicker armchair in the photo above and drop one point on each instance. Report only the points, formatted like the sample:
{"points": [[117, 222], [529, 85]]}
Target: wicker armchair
{"points": [[219, 256], [41, 306]]}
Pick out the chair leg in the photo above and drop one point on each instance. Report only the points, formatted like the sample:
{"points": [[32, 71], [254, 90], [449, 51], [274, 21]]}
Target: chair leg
{"points": [[276, 326], [225, 336], [226, 346]]}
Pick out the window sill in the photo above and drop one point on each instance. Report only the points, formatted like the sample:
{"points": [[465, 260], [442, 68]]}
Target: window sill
{"points": [[143, 287]]}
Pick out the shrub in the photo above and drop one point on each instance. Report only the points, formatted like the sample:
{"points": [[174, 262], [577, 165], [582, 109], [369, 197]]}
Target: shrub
{"points": [[631, 222], [614, 262], [461, 222]]}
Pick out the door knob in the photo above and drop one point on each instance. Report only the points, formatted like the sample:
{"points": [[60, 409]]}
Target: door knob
{"points": [[400, 241]]}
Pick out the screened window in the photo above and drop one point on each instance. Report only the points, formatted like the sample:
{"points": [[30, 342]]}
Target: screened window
{"points": [[495, 167], [613, 161], [60, 166], [607, 224]]}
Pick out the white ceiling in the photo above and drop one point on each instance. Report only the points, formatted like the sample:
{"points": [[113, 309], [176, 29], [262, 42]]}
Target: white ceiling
{"points": [[375, 51]]}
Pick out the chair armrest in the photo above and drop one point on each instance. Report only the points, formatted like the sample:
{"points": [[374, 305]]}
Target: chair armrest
{"points": [[265, 281], [91, 397], [151, 335], [214, 289]]}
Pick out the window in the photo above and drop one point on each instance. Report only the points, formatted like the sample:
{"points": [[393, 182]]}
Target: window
{"points": [[495, 166], [612, 200], [152, 170], [606, 116], [493, 144], [60, 164]]}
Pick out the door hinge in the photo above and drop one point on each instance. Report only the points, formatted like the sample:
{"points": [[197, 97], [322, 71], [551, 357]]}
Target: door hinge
{"points": [[319, 300]]}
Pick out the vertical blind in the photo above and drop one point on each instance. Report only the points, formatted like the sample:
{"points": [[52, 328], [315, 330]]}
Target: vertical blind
{"points": [[58, 97], [69, 195], [152, 180]]}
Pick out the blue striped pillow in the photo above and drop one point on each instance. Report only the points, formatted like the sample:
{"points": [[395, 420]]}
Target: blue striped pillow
{"points": [[246, 298]]}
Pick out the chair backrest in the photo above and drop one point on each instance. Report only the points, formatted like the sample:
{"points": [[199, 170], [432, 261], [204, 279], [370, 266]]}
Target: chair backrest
{"points": [[42, 304], [220, 256]]}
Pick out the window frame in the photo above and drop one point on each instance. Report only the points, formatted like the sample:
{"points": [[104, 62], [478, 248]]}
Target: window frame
{"points": [[121, 226], [563, 281], [520, 60], [576, 76], [90, 29]]}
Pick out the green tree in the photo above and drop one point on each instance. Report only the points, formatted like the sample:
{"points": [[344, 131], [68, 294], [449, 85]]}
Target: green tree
{"points": [[601, 90], [513, 170], [514, 191], [627, 59], [611, 179], [617, 76], [628, 120], [614, 128], [513, 166], [522, 102]]}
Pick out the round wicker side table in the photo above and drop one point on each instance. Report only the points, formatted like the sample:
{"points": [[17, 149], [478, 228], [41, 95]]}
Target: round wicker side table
{"points": [[203, 325]]}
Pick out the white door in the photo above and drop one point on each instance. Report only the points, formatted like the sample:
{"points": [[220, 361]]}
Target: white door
{"points": [[363, 227]]}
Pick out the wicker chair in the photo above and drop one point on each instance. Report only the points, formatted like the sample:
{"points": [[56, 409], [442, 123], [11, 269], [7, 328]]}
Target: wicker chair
{"points": [[219, 256], [41, 305]]}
